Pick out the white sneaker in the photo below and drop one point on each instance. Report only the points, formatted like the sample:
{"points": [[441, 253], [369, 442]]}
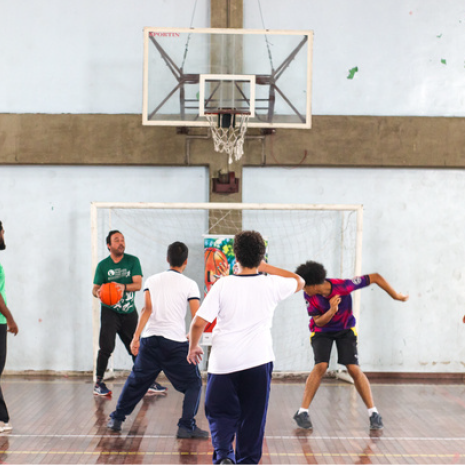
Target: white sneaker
{"points": [[5, 427]]}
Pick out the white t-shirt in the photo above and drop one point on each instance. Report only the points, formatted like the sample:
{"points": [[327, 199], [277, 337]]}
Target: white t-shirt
{"points": [[170, 293], [244, 306]]}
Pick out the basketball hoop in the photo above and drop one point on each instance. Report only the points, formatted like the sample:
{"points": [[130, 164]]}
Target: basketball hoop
{"points": [[228, 132]]}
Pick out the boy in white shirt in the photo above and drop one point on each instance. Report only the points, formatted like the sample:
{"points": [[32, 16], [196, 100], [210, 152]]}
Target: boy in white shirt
{"points": [[163, 344], [241, 361]]}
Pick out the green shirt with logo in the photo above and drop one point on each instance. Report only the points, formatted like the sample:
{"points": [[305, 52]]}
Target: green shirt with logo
{"points": [[2, 292], [108, 271]]}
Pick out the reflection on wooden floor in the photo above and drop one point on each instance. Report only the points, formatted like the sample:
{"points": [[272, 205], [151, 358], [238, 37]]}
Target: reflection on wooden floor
{"points": [[61, 421]]}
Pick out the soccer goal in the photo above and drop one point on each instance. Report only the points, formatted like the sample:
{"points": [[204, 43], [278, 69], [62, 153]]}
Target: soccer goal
{"points": [[330, 234]]}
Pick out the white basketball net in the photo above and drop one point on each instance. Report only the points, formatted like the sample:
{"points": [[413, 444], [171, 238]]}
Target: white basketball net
{"points": [[231, 138]]}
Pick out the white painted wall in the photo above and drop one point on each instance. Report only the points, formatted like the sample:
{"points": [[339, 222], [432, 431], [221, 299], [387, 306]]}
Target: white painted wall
{"points": [[413, 236], [46, 216], [86, 57], [81, 57], [397, 46]]}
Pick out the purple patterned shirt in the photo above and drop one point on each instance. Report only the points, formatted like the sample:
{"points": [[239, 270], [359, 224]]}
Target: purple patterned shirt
{"points": [[344, 318]]}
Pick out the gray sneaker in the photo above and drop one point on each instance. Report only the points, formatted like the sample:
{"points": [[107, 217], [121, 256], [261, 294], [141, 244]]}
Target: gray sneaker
{"points": [[114, 425], [303, 420], [196, 433], [376, 422]]}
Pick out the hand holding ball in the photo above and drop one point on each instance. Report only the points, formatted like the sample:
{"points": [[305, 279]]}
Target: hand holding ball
{"points": [[110, 294]]}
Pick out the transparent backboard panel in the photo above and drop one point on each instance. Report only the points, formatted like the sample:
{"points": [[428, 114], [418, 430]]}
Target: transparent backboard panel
{"points": [[176, 58], [220, 93]]}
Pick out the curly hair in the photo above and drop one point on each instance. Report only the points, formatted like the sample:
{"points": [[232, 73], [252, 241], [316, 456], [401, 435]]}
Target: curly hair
{"points": [[249, 248], [312, 273]]}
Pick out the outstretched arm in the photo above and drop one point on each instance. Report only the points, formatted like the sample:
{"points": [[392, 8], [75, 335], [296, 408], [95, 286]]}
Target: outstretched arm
{"points": [[267, 268], [376, 278]]}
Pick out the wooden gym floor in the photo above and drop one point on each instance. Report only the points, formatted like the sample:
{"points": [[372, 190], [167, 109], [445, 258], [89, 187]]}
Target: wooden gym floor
{"points": [[59, 420]]}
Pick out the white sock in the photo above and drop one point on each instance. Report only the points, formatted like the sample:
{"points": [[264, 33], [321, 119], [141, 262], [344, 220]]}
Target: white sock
{"points": [[302, 410], [372, 410]]}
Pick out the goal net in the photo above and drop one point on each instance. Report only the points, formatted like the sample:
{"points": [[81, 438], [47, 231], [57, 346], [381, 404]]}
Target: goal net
{"points": [[329, 234]]}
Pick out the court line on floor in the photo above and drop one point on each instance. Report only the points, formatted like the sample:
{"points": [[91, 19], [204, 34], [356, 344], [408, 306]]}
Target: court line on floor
{"points": [[209, 453], [85, 381], [309, 436]]}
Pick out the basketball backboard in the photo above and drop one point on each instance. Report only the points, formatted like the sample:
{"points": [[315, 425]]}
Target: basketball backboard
{"points": [[192, 72]]}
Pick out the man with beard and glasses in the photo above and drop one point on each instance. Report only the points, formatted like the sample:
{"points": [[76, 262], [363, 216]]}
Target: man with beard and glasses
{"points": [[7, 324], [121, 318]]}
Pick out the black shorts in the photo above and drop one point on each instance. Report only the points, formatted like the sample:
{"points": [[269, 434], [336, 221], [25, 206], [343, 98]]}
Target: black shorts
{"points": [[346, 343]]}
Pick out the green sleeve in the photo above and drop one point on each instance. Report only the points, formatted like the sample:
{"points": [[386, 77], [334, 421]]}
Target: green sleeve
{"points": [[136, 269]]}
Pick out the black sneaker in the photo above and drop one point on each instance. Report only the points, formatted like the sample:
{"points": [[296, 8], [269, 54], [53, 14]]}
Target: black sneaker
{"points": [[196, 433], [114, 424], [376, 422], [226, 460], [303, 420]]}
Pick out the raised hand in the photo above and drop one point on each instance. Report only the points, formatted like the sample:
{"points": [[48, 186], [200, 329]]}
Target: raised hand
{"points": [[222, 269]]}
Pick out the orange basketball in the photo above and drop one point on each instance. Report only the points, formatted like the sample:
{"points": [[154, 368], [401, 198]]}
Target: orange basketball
{"points": [[110, 294], [213, 259]]}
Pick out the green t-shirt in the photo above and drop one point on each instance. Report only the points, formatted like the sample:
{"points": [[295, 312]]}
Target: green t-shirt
{"points": [[2, 292], [108, 271]]}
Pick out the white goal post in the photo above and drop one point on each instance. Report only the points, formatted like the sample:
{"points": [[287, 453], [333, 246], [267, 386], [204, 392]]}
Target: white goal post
{"points": [[329, 234]]}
